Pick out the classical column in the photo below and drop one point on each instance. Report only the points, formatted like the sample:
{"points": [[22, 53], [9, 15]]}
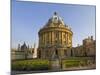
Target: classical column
{"points": [[42, 39], [71, 39], [67, 38], [50, 37], [61, 37], [53, 37], [45, 38]]}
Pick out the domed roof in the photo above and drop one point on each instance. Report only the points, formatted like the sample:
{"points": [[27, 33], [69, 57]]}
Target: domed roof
{"points": [[55, 19]]}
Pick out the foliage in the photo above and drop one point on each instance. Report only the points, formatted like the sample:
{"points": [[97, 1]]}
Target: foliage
{"points": [[74, 63], [71, 63], [37, 64]]}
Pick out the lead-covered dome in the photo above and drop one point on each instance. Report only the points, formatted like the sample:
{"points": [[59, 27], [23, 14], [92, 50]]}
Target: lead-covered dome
{"points": [[55, 21]]}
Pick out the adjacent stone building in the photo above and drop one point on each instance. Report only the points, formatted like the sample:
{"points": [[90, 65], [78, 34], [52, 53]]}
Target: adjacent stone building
{"points": [[88, 48], [23, 52], [55, 38]]}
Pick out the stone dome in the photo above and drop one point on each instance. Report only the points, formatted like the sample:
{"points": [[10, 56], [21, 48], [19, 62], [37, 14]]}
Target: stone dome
{"points": [[55, 19]]}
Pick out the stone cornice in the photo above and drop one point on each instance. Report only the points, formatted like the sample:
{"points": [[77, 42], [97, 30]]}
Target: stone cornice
{"points": [[48, 29]]}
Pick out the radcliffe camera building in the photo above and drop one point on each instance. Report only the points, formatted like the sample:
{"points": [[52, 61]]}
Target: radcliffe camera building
{"points": [[55, 38]]}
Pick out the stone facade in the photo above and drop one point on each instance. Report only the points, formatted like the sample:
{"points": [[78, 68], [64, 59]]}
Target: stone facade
{"points": [[89, 45], [54, 38], [17, 55], [23, 52], [88, 48]]}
